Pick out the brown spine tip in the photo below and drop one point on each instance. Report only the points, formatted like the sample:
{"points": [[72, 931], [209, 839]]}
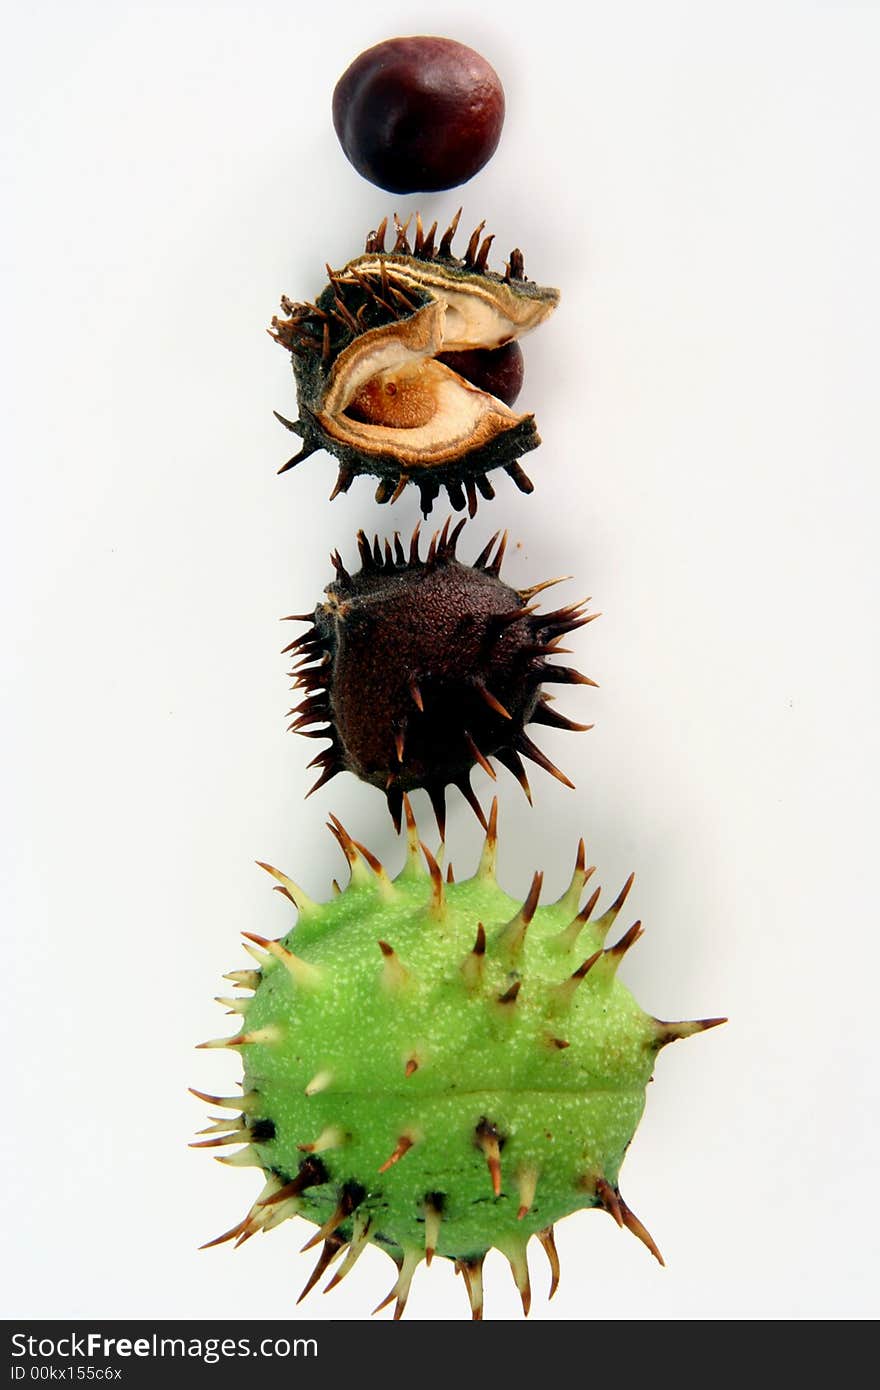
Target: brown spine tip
{"points": [[531, 750], [545, 714], [389, 1297], [607, 1198], [333, 1245], [467, 791], [530, 906], [403, 1146], [579, 873], [395, 975], [245, 979], [608, 918], [479, 757], [471, 251], [494, 566], [305, 452], [510, 995], [616, 953], [470, 488], [412, 835], [322, 781], [406, 1267], [534, 589], [344, 480], [401, 244], [483, 254], [365, 551], [520, 1270], [482, 559], [370, 859], [359, 1241], [237, 1041], [350, 1198], [513, 762], [472, 965], [564, 675], [225, 1102], [312, 1173], [343, 839], [632, 1223], [300, 971], [222, 1124], [512, 938], [438, 891], [563, 995], [445, 250], [567, 619], [490, 845], [568, 937], [221, 1140], [472, 1273], [489, 1140], [672, 1032], [295, 426], [231, 1234], [494, 704], [548, 1242]]}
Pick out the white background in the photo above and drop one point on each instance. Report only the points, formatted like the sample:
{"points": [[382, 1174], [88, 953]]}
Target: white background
{"points": [[701, 182]]}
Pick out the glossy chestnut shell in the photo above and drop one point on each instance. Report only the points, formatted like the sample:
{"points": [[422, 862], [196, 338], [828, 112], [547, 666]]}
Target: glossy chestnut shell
{"points": [[418, 114]]}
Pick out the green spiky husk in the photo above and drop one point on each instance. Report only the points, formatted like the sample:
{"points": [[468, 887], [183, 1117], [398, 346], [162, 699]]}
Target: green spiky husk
{"points": [[567, 1112], [437, 1068]]}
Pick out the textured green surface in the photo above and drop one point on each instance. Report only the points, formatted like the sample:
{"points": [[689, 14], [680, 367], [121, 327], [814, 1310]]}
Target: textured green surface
{"points": [[516, 1056]]}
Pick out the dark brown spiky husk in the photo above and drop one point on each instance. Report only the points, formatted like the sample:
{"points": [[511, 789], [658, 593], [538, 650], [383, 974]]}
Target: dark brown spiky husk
{"points": [[316, 333], [416, 669]]}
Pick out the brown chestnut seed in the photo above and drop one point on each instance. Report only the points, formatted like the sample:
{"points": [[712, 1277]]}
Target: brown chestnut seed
{"points": [[417, 668], [497, 371], [418, 114]]}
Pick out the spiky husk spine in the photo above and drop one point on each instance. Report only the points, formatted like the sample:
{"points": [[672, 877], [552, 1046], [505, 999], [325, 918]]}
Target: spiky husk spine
{"points": [[416, 670], [366, 295], [436, 1068]]}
